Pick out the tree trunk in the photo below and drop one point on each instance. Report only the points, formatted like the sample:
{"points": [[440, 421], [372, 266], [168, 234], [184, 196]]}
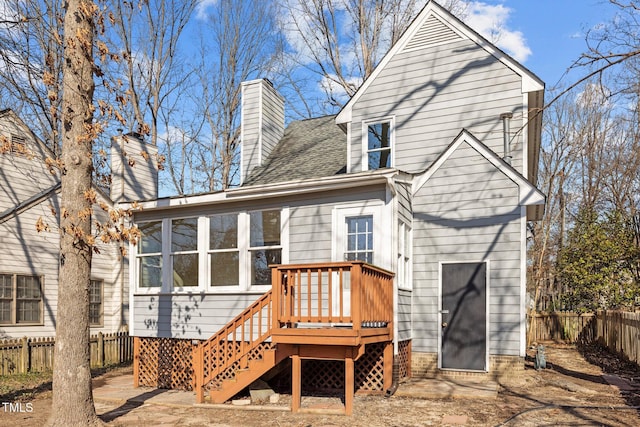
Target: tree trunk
{"points": [[72, 396]]}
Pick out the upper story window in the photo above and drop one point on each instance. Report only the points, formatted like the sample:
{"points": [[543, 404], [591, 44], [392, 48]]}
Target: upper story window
{"points": [[184, 252], [378, 144], [150, 255]]}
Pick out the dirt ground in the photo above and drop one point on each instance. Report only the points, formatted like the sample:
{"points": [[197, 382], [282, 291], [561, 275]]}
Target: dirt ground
{"points": [[572, 391]]}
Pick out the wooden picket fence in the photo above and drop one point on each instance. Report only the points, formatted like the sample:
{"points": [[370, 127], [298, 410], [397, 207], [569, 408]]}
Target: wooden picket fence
{"points": [[619, 331], [24, 355]]}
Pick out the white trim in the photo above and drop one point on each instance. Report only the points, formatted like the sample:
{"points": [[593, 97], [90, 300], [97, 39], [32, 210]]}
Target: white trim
{"points": [[523, 281], [528, 194], [530, 82], [381, 256], [487, 313], [280, 189], [133, 286], [364, 140], [349, 144], [525, 135]]}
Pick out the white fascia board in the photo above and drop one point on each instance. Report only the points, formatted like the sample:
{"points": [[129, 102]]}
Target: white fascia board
{"points": [[528, 193], [272, 190]]}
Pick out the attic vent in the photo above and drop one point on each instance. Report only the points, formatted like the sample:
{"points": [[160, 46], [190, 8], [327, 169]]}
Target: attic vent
{"points": [[18, 145], [433, 31]]}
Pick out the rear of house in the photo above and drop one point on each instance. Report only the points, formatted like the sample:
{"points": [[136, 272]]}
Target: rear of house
{"points": [[418, 184]]}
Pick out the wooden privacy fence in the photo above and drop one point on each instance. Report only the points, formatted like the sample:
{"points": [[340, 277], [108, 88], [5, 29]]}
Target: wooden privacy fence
{"points": [[22, 355], [559, 326], [619, 331]]}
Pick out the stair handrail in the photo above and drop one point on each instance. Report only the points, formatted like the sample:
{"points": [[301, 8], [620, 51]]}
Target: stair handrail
{"points": [[239, 349]]}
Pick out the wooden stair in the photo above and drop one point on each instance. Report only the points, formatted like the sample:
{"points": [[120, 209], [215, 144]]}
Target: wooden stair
{"points": [[272, 329], [238, 354], [245, 376]]}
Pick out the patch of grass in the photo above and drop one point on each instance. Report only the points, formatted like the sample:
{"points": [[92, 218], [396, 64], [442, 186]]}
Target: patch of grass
{"points": [[21, 387]]}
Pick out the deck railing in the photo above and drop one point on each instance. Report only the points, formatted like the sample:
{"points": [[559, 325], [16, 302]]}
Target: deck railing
{"points": [[352, 293]]}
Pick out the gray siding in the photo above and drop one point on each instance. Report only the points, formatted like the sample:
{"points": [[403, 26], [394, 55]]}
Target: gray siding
{"points": [[405, 211], [195, 316], [468, 217], [200, 315], [404, 315], [137, 182], [434, 93]]}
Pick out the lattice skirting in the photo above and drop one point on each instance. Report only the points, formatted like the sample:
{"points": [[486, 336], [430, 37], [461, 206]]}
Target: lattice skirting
{"points": [[327, 376], [165, 363], [404, 359]]}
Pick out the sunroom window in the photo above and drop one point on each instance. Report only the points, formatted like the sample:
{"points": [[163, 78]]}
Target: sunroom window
{"points": [[224, 256], [150, 255], [264, 245], [184, 252]]}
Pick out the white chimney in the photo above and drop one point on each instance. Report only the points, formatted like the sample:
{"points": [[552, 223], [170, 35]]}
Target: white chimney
{"points": [[262, 124]]}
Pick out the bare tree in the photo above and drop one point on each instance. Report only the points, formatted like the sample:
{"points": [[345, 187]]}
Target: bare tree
{"points": [[30, 54], [72, 397], [239, 45], [146, 34]]}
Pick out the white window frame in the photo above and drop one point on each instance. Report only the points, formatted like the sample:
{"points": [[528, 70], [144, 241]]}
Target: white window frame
{"points": [[365, 140], [100, 283], [197, 251], [381, 231], [242, 225], [204, 265], [165, 236]]}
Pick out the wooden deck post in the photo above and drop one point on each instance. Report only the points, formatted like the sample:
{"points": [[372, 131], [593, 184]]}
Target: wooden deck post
{"points": [[296, 382], [136, 362], [356, 296], [349, 384], [276, 302], [198, 371], [387, 366]]}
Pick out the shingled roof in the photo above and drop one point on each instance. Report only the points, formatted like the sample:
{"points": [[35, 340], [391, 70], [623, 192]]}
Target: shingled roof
{"points": [[311, 148]]}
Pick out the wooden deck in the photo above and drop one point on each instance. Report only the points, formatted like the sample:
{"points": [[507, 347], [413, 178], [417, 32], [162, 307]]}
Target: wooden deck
{"points": [[313, 311]]}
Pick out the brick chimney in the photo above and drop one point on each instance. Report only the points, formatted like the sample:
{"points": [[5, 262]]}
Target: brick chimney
{"points": [[134, 169], [262, 123]]}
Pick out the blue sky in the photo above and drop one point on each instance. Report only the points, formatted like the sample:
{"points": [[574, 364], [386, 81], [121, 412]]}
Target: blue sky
{"points": [[554, 31]]}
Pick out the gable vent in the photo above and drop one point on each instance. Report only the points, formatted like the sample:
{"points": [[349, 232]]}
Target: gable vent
{"points": [[433, 31]]}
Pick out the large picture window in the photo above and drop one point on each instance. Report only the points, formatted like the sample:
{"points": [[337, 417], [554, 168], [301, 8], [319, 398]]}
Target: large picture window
{"points": [[184, 252], [150, 255], [224, 256], [20, 299], [264, 245]]}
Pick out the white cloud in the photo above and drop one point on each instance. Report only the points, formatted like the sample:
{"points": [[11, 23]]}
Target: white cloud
{"points": [[491, 22], [201, 8]]}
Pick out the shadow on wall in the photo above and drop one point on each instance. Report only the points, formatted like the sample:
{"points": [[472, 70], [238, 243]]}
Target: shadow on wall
{"points": [[171, 318]]}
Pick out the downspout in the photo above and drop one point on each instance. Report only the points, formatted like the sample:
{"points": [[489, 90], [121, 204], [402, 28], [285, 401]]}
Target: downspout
{"points": [[395, 378], [506, 131]]}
